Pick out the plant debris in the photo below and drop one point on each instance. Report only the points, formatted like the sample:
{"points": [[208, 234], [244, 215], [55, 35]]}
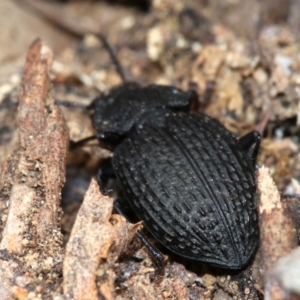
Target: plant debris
{"points": [[31, 179], [66, 243]]}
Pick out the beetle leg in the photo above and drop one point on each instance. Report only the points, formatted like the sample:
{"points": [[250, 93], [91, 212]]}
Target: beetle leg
{"points": [[297, 196], [192, 100], [109, 140], [66, 103], [78, 144], [205, 98], [103, 173], [122, 207], [248, 140], [157, 257], [7, 105]]}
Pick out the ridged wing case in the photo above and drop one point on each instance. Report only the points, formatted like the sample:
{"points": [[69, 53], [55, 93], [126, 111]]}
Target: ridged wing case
{"points": [[193, 185]]}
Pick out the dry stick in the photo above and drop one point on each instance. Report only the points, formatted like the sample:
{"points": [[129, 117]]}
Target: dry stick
{"points": [[31, 180], [277, 231]]}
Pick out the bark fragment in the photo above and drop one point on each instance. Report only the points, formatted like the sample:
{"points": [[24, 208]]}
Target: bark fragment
{"points": [[277, 229], [92, 239], [31, 182]]}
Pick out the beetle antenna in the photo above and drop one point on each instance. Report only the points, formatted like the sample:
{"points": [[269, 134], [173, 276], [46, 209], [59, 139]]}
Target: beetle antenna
{"points": [[8, 105], [70, 104], [113, 56]]}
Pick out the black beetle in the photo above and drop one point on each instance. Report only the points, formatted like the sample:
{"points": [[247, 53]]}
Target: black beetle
{"points": [[189, 180], [184, 175]]}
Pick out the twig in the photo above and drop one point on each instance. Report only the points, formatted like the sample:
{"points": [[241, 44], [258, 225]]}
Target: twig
{"points": [[277, 229], [31, 181]]}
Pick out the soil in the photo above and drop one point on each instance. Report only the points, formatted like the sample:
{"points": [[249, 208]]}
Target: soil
{"points": [[59, 237]]}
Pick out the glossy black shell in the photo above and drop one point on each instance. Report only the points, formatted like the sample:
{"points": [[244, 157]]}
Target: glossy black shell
{"points": [[193, 185]]}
